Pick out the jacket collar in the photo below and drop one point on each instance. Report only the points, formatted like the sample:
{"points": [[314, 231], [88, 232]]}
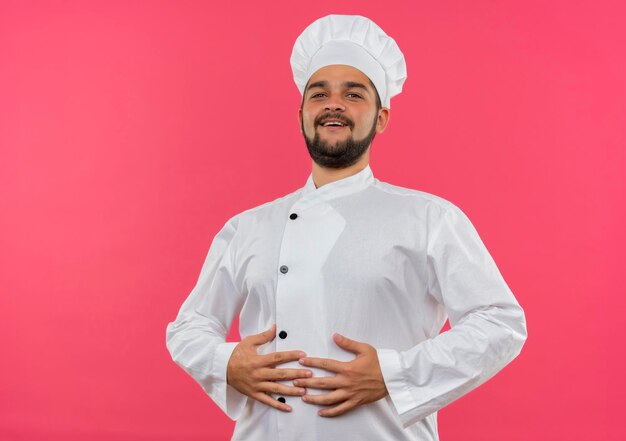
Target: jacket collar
{"points": [[310, 195]]}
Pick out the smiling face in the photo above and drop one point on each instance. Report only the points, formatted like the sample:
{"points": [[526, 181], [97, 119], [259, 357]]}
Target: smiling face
{"points": [[340, 115]]}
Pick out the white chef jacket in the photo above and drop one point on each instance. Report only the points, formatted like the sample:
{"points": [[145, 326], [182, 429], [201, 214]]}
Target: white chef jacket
{"points": [[378, 263]]}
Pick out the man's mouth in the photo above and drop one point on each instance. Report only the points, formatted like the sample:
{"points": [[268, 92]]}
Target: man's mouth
{"points": [[333, 124]]}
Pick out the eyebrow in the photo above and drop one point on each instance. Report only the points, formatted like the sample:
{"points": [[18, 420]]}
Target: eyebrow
{"points": [[347, 84]]}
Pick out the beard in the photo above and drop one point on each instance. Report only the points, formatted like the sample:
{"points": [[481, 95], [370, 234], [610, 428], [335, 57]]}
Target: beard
{"points": [[343, 153]]}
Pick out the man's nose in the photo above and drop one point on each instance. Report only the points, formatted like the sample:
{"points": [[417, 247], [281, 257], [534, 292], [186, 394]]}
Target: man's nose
{"points": [[334, 103]]}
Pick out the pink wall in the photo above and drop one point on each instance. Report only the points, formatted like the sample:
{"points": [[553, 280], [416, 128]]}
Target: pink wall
{"points": [[131, 131]]}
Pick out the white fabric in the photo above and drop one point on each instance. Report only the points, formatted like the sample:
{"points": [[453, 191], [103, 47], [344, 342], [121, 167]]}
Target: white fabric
{"points": [[350, 54], [354, 41], [375, 262]]}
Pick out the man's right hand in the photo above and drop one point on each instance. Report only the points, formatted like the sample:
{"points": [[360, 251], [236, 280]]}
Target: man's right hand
{"points": [[255, 375]]}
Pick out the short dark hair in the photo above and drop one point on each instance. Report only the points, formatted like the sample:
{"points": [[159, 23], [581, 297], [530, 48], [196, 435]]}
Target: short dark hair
{"points": [[378, 103]]}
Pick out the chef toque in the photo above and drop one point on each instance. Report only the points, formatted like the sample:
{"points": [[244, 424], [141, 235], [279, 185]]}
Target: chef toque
{"points": [[355, 41]]}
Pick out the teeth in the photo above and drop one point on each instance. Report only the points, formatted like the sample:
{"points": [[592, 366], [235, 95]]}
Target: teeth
{"points": [[332, 124]]}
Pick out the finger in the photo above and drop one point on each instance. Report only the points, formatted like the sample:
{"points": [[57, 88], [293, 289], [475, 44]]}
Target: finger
{"points": [[275, 374], [320, 382], [338, 410], [280, 389], [325, 363], [348, 344], [266, 399], [335, 397], [275, 358], [263, 337]]}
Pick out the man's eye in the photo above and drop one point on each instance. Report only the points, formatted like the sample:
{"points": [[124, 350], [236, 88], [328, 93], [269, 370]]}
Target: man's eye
{"points": [[354, 95], [316, 95]]}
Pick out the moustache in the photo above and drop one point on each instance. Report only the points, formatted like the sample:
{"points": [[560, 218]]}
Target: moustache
{"points": [[336, 116]]}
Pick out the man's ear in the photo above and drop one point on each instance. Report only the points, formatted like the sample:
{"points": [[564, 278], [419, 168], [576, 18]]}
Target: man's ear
{"points": [[383, 119], [300, 119]]}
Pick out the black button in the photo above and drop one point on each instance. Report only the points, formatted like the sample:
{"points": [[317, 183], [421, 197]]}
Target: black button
{"points": [[281, 399], [293, 216], [284, 269], [282, 334]]}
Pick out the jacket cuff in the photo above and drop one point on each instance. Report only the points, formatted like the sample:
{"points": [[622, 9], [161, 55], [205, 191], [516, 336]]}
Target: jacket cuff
{"points": [[397, 386], [230, 400]]}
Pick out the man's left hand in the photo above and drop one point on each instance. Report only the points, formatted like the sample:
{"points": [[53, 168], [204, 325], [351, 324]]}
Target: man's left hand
{"points": [[357, 382]]}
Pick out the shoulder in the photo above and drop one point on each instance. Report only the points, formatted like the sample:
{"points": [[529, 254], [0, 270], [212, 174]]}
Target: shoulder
{"points": [[444, 221], [414, 197], [435, 211]]}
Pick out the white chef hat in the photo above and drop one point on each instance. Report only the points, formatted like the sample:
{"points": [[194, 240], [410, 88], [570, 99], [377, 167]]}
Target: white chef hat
{"points": [[355, 41]]}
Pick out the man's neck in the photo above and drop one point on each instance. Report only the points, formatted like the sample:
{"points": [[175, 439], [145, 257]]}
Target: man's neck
{"points": [[323, 175]]}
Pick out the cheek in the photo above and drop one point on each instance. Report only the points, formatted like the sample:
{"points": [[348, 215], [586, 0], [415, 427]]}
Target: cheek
{"points": [[370, 121], [309, 113], [365, 124], [308, 122]]}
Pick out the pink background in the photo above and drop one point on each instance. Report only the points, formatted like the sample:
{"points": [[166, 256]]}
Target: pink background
{"points": [[130, 131]]}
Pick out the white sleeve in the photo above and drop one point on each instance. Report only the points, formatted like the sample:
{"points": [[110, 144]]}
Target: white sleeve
{"points": [[487, 325], [196, 339]]}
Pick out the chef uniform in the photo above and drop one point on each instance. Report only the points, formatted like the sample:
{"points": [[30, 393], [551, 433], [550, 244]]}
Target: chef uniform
{"points": [[375, 262]]}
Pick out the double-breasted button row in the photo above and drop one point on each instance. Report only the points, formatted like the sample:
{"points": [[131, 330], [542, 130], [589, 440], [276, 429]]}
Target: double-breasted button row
{"points": [[284, 269]]}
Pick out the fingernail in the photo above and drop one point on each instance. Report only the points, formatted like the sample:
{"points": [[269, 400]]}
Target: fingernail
{"points": [[302, 354], [303, 398], [289, 408], [309, 373], [302, 391], [301, 361], [296, 383]]}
